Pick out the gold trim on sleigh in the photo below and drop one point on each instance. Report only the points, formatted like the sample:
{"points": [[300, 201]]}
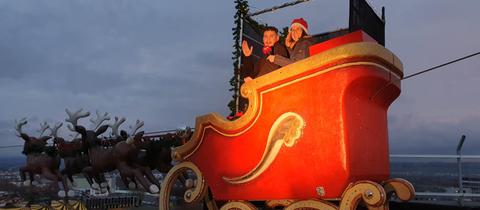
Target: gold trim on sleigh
{"points": [[340, 57]]}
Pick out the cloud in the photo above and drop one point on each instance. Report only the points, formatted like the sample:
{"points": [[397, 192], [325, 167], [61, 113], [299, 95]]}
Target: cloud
{"points": [[167, 63], [137, 59], [410, 134]]}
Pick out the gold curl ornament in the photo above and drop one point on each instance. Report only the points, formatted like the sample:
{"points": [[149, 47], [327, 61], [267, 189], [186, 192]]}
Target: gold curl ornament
{"points": [[192, 195], [238, 205]]}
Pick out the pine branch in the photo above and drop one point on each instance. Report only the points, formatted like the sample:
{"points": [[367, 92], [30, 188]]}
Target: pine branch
{"points": [[242, 10]]}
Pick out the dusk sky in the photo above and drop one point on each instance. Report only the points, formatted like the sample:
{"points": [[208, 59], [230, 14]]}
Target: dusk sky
{"points": [[166, 62]]}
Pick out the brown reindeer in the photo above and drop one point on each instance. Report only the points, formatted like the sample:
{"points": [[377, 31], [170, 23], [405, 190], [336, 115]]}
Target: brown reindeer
{"points": [[75, 159], [100, 181], [39, 161], [157, 153], [182, 136], [108, 159], [126, 152]]}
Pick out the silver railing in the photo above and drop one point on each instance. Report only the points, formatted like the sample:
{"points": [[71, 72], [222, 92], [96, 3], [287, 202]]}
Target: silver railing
{"points": [[464, 191]]}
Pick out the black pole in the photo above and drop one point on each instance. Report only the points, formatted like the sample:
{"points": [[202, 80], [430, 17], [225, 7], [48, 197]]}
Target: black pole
{"points": [[460, 172], [383, 14]]}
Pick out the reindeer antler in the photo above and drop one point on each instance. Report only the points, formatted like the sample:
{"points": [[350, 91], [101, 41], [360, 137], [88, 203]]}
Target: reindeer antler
{"points": [[71, 128], [184, 132], [43, 127], [19, 125], [116, 125], [134, 128], [100, 118], [188, 130], [55, 129], [73, 117]]}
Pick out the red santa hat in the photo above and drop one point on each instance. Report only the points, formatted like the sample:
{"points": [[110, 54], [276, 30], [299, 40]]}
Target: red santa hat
{"points": [[301, 23]]}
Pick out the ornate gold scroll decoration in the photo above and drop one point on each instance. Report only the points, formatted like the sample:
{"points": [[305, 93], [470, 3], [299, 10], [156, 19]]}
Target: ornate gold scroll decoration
{"points": [[238, 205], [400, 187], [371, 193], [274, 204], [195, 194], [374, 197], [286, 130], [311, 204]]}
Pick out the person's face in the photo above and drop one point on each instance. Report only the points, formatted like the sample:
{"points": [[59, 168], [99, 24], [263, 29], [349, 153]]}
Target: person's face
{"points": [[270, 38], [296, 32]]}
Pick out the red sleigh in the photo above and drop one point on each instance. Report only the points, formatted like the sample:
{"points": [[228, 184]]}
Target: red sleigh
{"points": [[315, 129]]}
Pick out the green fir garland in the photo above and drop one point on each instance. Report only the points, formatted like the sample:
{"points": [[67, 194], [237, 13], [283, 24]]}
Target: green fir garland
{"points": [[242, 10]]}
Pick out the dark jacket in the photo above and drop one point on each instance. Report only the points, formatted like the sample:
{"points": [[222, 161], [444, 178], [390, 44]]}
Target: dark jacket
{"points": [[262, 66], [299, 51]]}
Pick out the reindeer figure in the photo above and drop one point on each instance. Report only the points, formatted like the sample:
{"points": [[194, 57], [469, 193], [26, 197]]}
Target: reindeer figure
{"points": [[73, 118], [182, 136], [108, 159], [99, 120], [74, 158], [38, 162], [126, 153], [117, 136], [43, 127], [157, 154]]}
